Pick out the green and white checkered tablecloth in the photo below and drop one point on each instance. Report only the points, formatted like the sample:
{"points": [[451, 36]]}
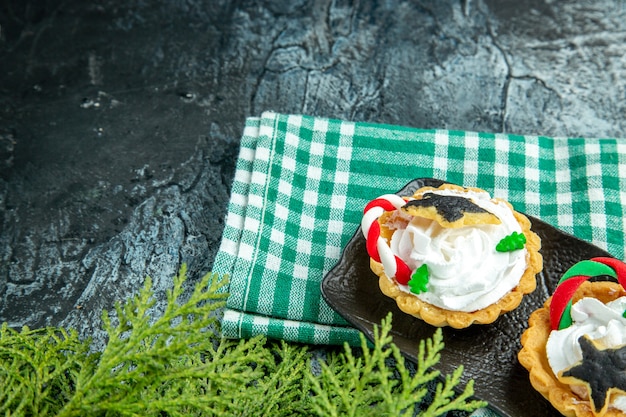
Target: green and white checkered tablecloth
{"points": [[301, 184]]}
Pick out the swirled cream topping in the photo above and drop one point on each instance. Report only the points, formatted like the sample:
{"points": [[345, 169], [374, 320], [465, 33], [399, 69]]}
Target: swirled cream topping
{"points": [[602, 323], [466, 273]]}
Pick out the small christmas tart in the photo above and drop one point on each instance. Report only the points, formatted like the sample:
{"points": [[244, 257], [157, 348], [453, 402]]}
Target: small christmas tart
{"points": [[451, 256], [575, 345]]}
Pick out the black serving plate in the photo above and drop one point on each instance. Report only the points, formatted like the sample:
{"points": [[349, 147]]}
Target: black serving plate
{"points": [[488, 352]]}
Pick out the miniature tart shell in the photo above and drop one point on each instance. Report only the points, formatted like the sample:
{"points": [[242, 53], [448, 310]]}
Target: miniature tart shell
{"points": [[440, 317], [534, 358]]}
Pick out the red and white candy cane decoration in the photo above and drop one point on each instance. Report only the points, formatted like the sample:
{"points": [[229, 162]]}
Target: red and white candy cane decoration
{"points": [[377, 247]]}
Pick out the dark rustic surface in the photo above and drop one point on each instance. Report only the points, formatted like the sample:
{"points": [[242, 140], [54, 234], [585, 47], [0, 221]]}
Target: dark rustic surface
{"points": [[120, 120]]}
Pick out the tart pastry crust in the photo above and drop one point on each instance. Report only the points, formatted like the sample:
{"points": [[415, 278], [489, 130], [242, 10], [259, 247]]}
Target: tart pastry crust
{"points": [[533, 355], [440, 317]]}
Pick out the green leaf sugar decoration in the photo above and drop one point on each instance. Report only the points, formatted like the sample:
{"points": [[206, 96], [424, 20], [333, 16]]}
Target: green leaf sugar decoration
{"points": [[419, 280], [512, 242]]}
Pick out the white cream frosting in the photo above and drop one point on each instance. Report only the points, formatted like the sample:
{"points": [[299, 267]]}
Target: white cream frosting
{"points": [[602, 323], [466, 273]]}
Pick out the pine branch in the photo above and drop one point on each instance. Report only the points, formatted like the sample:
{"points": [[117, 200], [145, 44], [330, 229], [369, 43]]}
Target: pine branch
{"points": [[38, 368], [380, 383], [142, 353], [177, 364]]}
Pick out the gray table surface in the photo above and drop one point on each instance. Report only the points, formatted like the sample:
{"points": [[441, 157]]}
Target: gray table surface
{"points": [[120, 120]]}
